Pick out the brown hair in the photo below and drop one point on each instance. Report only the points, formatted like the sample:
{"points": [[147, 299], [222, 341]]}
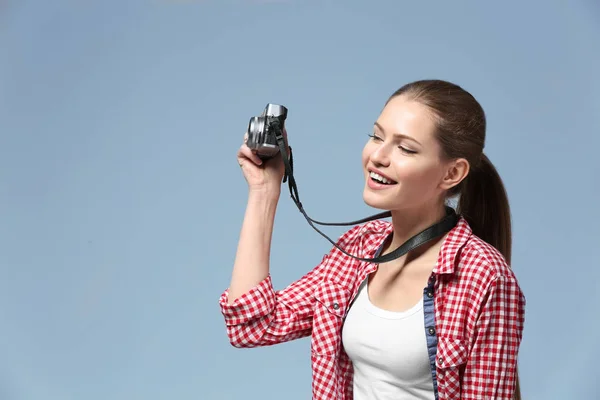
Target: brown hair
{"points": [[461, 126]]}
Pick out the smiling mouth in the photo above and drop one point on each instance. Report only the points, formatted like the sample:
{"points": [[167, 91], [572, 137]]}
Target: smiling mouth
{"points": [[381, 179]]}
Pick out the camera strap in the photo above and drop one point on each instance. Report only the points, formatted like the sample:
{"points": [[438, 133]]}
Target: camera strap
{"points": [[440, 228]]}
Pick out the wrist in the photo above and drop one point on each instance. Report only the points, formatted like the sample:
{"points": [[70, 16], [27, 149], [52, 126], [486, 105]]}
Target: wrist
{"points": [[265, 193], [263, 203]]}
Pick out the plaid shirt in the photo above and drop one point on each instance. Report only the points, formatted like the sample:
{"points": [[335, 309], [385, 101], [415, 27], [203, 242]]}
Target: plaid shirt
{"points": [[478, 307]]}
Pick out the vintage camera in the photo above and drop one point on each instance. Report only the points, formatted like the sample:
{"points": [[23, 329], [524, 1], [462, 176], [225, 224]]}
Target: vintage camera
{"points": [[262, 130]]}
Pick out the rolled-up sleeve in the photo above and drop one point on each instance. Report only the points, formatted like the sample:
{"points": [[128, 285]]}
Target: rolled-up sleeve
{"points": [[263, 316], [257, 303]]}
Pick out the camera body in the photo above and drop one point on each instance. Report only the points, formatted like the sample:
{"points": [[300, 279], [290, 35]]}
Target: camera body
{"points": [[262, 131]]}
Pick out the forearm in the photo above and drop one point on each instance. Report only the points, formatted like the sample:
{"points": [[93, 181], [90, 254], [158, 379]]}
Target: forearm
{"points": [[251, 264]]}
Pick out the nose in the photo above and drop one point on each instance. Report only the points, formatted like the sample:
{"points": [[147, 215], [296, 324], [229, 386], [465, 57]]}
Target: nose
{"points": [[381, 156]]}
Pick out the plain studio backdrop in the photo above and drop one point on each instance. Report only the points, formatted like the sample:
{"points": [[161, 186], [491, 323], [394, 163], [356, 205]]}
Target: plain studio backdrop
{"points": [[121, 199]]}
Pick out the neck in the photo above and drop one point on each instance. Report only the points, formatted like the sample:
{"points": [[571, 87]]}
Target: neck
{"points": [[408, 222]]}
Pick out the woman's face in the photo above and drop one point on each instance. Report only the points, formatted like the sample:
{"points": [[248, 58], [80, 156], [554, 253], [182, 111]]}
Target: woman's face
{"points": [[402, 161]]}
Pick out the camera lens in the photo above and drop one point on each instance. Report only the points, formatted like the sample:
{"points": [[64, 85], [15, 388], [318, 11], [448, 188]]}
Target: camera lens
{"points": [[256, 130]]}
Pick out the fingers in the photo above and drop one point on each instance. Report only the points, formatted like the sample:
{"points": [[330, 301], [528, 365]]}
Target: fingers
{"points": [[245, 153]]}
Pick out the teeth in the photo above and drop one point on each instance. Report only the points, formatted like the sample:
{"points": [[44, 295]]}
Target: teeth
{"points": [[379, 178]]}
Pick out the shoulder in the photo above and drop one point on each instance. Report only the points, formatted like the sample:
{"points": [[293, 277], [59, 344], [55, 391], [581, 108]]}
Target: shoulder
{"points": [[482, 280], [480, 268], [479, 256], [361, 241]]}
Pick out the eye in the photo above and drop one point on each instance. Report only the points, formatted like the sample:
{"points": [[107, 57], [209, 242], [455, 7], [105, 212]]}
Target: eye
{"points": [[374, 137], [407, 151]]}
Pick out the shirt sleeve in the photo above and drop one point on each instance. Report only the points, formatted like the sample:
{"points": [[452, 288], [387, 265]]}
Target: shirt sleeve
{"points": [[263, 316], [491, 369]]}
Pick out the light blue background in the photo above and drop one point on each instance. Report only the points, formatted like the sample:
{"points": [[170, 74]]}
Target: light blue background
{"points": [[121, 200]]}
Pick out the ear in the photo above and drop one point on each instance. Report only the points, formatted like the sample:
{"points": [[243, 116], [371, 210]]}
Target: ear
{"points": [[456, 171]]}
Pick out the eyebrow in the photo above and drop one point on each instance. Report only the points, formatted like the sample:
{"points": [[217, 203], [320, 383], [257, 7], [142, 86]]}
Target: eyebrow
{"points": [[400, 135]]}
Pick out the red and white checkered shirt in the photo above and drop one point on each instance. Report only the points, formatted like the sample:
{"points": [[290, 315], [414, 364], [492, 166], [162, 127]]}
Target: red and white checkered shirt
{"points": [[479, 315]]}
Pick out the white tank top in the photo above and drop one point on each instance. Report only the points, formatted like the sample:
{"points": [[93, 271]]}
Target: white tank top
{"points": [[388, 351]]}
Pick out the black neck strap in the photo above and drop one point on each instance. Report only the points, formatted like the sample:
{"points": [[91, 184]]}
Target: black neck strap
{"points": [[434, 231]]}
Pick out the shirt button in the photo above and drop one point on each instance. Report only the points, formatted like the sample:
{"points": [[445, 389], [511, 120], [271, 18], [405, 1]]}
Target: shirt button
{"points": [[430, 294], [336, 306], [431, 331], [441, 360]]}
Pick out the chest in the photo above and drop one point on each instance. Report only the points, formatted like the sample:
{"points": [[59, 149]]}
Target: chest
{"points": [[387, 344]]}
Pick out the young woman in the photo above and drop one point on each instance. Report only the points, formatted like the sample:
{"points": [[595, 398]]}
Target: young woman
{"points": [[445, 320]]}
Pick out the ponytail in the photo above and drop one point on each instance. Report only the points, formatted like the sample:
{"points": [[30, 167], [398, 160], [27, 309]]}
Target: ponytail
{"points": [[484, 204]]}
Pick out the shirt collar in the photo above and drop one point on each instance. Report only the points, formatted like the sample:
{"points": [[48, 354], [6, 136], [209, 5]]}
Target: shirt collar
{"points": [[453, 243]]}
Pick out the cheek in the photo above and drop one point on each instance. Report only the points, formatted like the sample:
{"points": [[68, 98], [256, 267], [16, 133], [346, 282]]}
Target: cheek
{"points": [[417, 174]]}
